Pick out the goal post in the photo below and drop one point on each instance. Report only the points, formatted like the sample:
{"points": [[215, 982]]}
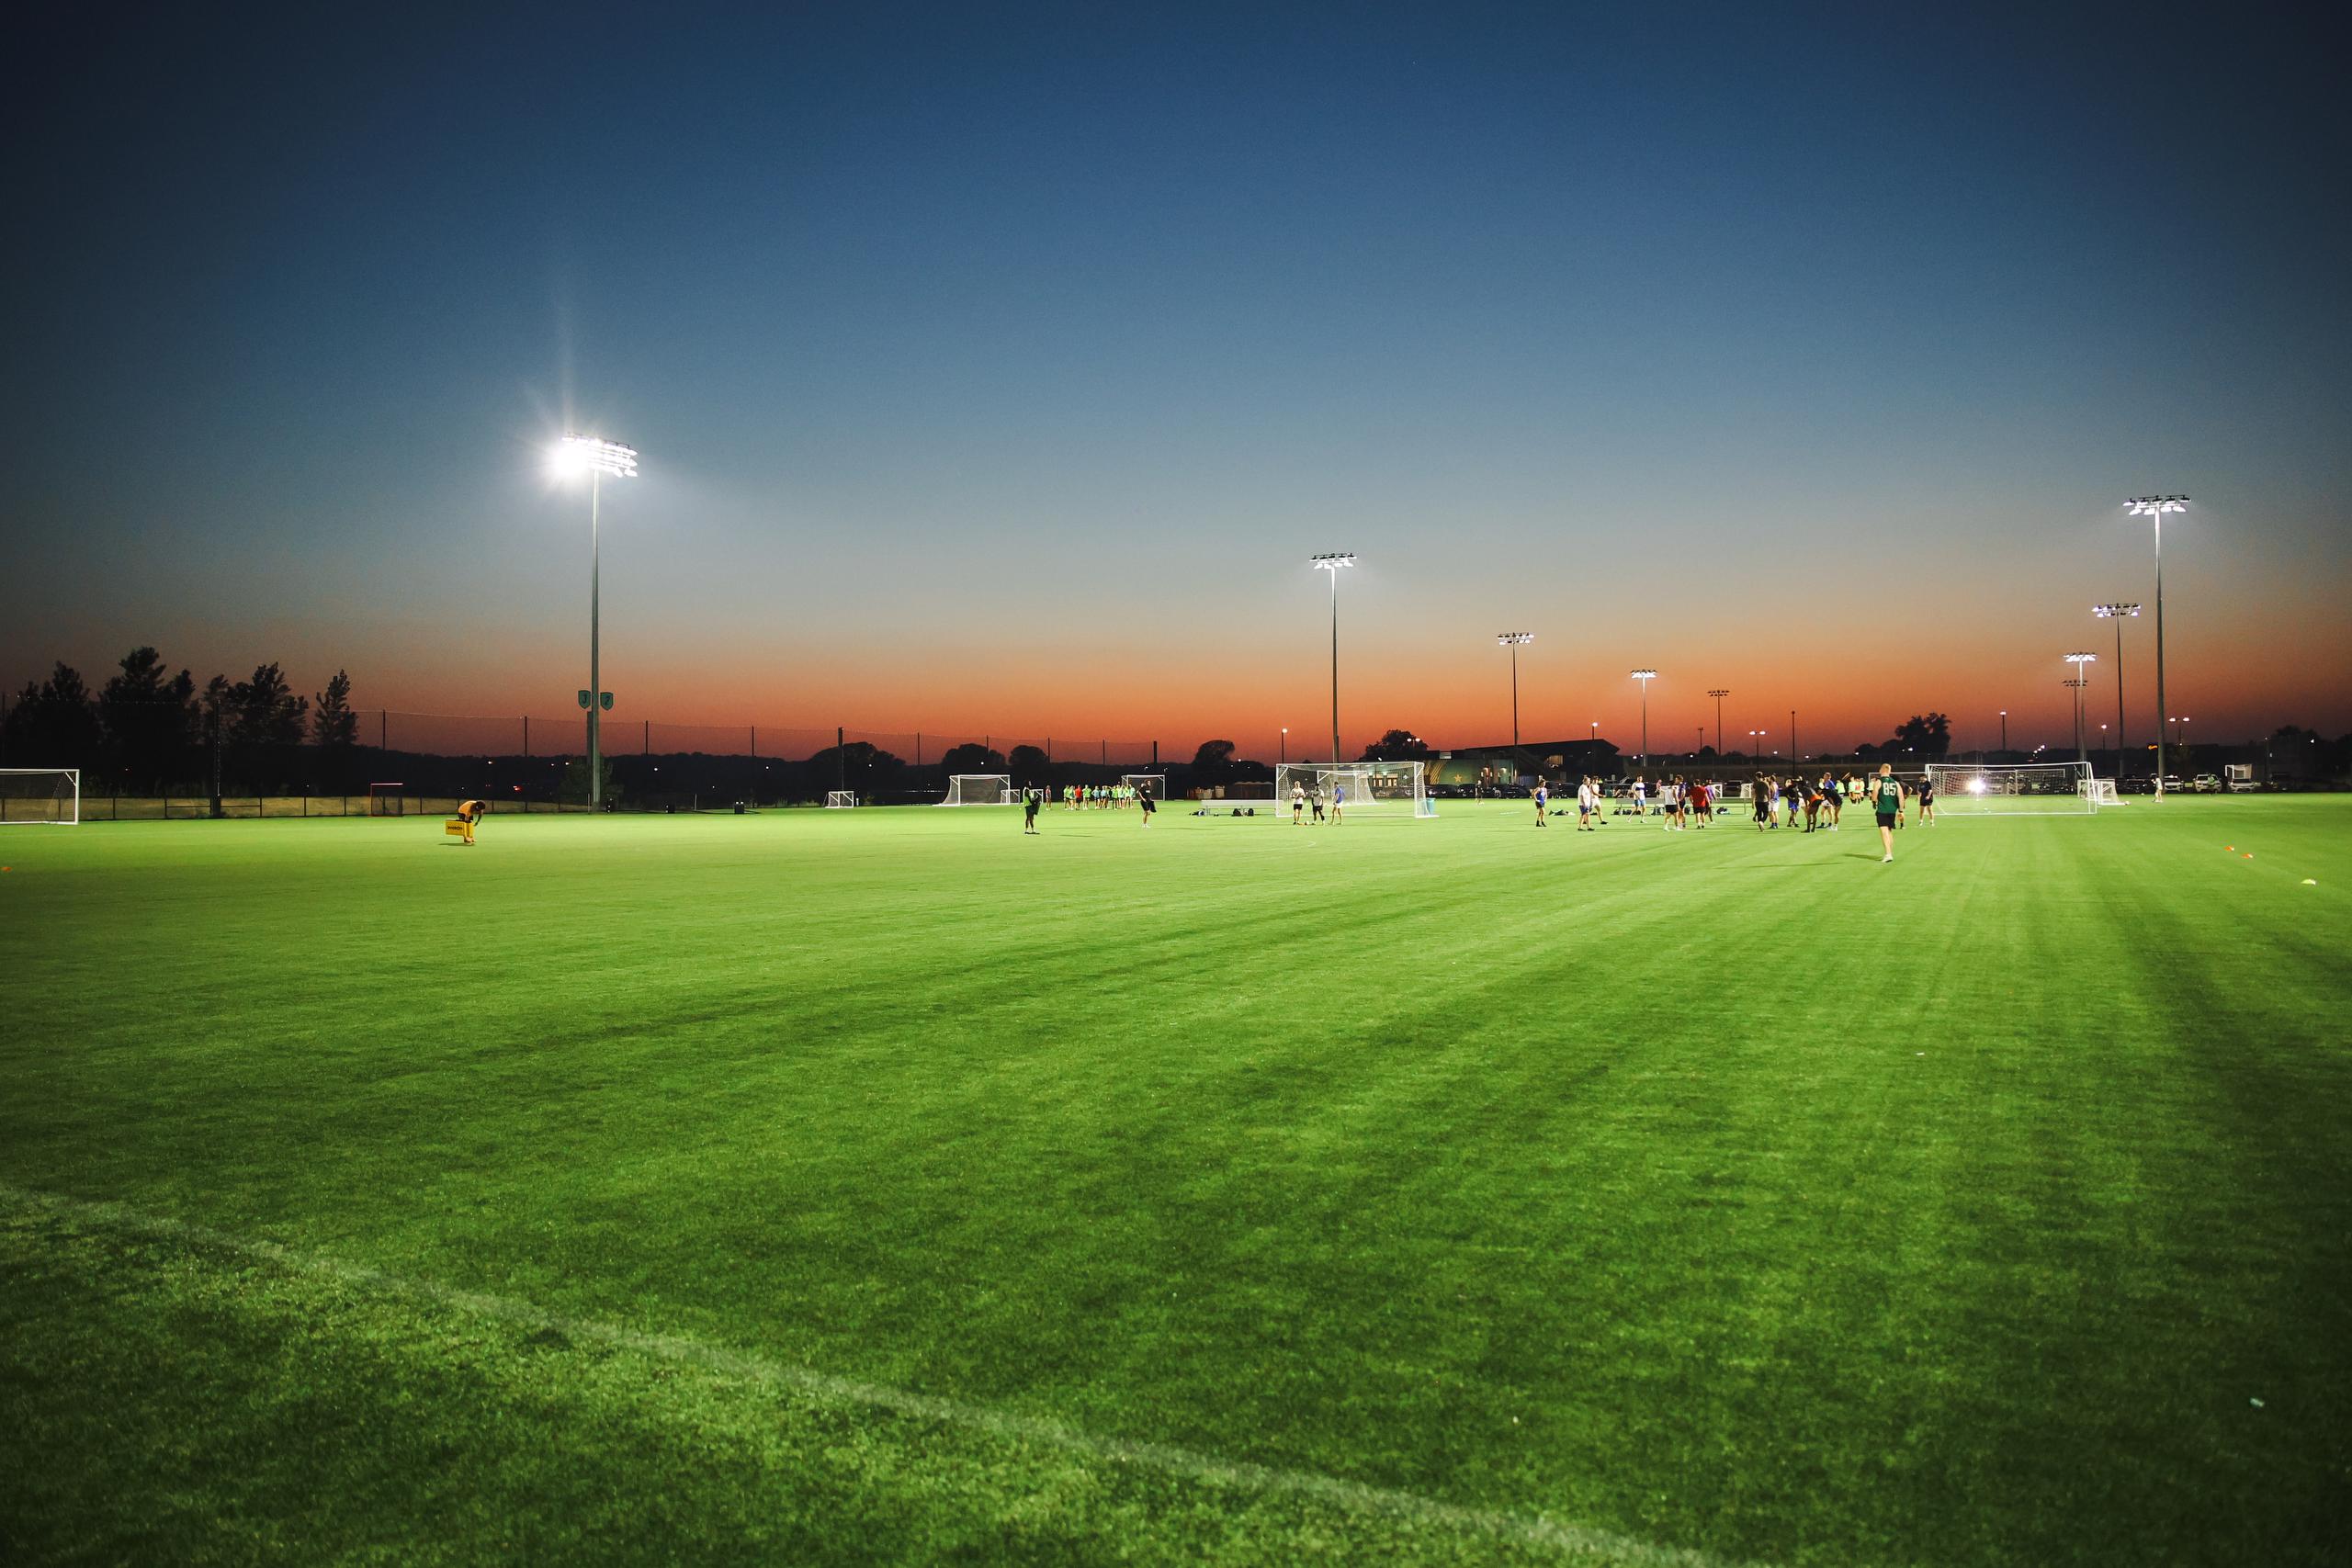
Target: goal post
{"points": [[981, 789], [2015, 789], [1369, 789], [1153, 785], [840, 799], [387, 797], [47, 796]]}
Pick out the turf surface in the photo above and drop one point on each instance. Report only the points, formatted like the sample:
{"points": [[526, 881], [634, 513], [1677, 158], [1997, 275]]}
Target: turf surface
{"points": [[884, 1186]]}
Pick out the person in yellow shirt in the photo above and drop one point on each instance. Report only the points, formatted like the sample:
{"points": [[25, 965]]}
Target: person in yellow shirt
{"points": [[470, 812]]}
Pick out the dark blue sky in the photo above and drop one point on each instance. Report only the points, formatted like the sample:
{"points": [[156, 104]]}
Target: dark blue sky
{"points": [[979, 355]]}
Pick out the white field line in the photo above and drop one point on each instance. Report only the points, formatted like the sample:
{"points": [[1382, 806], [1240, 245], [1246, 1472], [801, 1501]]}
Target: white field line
{"points": [[1573, 1541]]}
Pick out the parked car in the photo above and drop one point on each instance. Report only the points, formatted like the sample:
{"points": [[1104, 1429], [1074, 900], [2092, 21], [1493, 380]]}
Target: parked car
{"points": [[2206, 784]]}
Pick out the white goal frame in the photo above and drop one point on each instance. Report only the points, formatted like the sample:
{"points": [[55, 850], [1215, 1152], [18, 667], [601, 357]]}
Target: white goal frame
{"points": [[1152, 784], [961, 784], [2015, 789], [70, 776], [840, 799], [1375, 789]]}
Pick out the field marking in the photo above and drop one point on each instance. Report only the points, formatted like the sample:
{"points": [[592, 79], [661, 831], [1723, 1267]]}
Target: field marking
{"points": [[1575, 1541]]}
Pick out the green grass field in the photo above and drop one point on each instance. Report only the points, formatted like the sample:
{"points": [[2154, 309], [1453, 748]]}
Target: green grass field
{"points": [[881, 1186]]}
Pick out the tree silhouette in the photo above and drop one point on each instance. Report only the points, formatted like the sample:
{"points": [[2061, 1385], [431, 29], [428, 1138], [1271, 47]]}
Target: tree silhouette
{"points": [[1028, 765], [1397, 746]]}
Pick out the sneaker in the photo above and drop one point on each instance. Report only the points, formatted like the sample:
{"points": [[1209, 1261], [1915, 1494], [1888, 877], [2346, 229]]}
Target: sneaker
{"points": [[1888, 861]]}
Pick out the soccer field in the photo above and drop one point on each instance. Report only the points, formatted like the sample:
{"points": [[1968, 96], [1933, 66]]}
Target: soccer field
{"points": [[883, 1186]]}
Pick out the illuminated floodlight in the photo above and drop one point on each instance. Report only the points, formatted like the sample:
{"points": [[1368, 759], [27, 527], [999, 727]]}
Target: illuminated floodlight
{"points": [[1512, 640], [2082, 659], [1976, 784], [590, 454], [2155, 506], [1645, 677], [1331, 561], [2113, 612]]}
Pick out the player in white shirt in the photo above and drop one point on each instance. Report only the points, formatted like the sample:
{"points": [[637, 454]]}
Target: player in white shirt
{"points": [[1587, 806]]}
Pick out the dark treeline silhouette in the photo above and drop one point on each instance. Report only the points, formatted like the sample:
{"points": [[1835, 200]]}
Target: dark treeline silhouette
{"points": [[148, 731]]}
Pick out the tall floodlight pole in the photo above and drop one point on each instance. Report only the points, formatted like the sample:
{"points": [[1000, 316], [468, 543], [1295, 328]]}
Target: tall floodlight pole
{"points": [[2117, 614], [1645, 677], [2153, 507], [2005, 731], [1332, 563], [1285, 752], [2081, 661], [598, 458], [1511, 640], [1719, 693]]}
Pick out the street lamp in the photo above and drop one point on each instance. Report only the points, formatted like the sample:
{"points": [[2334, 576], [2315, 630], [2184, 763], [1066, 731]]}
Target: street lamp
{"points": [[2082, 679], [1285, 753], [1756, 744], [1719, 693], [1645, 677], [2117, 614], [1794, 755], [2005, 730], [1332, 563], [576, 453], [1511, 640], [2153, 508]]}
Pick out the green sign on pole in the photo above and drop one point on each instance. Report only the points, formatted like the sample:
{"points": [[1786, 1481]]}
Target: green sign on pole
{"points": [[605, 700], [583, 697]]}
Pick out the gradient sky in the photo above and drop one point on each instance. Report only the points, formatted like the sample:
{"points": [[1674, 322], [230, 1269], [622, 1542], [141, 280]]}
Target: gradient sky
{"points": [[998, 367]]}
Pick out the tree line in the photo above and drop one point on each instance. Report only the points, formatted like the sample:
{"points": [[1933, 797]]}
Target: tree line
{"points": [[150, 731]]}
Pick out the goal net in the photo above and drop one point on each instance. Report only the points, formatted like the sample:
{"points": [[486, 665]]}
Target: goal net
{"points": [[49, 795], [2015, 789], [979, 789], [1371, 789], [1155, 785], [386, 799], [839, 799]]}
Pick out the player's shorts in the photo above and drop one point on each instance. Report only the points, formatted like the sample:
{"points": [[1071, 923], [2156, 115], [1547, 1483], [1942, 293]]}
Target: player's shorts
{"points": [[1886, 818]]}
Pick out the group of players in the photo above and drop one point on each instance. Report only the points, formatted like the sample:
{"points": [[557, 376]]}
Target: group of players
{"points": [[1117, 796], [1075, 797], [1683, 804]]}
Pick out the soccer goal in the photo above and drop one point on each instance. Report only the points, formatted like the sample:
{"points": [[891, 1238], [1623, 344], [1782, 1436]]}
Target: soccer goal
{"points": [[1371, 789], [52, 796], [2015, 789], [388, 799], [1154, 785], [981, 789], [839, 799]]}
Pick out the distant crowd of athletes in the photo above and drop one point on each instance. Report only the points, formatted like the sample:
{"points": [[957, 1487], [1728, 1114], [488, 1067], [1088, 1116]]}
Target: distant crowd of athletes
{"points": [[1779, 800], [1089, 798]]}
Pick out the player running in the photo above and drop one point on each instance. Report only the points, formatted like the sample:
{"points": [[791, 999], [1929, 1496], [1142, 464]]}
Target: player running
{"points": [[1150, 806]]}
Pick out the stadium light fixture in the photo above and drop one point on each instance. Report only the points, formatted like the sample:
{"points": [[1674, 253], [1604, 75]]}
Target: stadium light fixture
{"points": [[2082, 679], [597, 459], [1719, 693], [1286, 750], [2119, 614], [1645, 677], [1332, 562], [2005, 730], [1511, 640], [2153, 507]]}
